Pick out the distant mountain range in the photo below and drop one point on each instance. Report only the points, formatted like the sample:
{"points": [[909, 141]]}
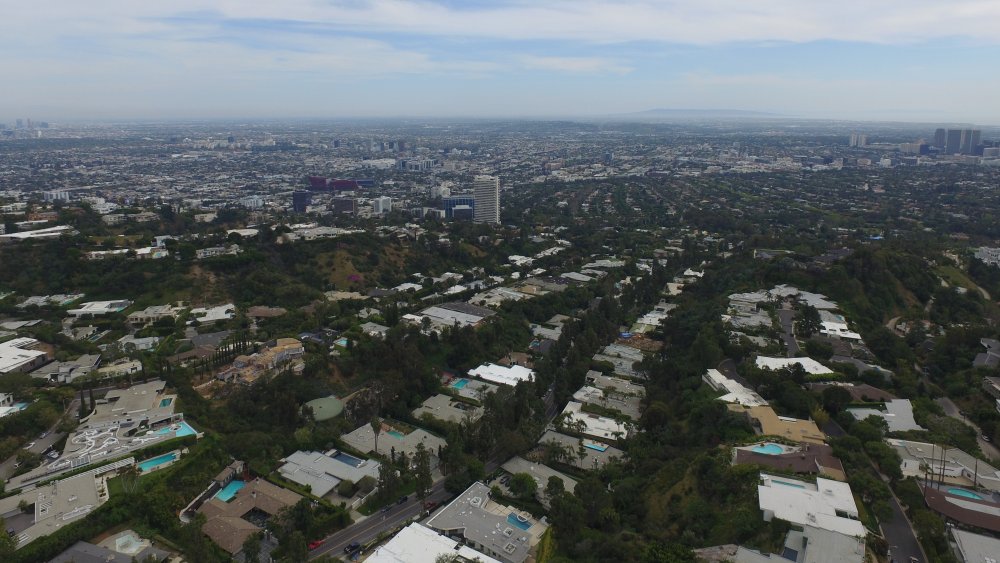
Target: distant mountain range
{"points": [[696, 113]]}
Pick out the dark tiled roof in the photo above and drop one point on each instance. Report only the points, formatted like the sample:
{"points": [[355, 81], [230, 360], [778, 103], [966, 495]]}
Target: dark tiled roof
{"points": [[938, 501]]}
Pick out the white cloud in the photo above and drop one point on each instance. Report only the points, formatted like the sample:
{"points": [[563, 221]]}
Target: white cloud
{"points": [[574, 64]]}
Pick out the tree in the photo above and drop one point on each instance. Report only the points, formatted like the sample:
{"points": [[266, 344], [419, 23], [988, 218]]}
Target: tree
{"points": [[422, 473], [554, 487], [130, 478], [809, 321], [376, 424], [523, 485], [7, 542], [835, 398], [251, 548], [296, 549]]}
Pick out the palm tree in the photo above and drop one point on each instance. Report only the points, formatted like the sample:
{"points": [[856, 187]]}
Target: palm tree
{"points": [[376, 424]]}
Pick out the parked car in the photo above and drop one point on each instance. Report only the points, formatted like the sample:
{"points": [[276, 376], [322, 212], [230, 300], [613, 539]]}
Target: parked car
{"points": [[43, 435], [403, 499], [29, 445], [430, 505], [352, 547], [314, 544]]}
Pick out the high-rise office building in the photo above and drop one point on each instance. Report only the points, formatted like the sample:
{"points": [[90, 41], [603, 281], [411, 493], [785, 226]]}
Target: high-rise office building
{"points": [[953, 141], [301, 201], [970, 141], [939, 137], [451, 202], [345, 205], [487, 194], [858, 140], [382, 205]]}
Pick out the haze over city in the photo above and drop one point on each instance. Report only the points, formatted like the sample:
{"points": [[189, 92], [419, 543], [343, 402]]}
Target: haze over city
{"points": [[908, 61]]}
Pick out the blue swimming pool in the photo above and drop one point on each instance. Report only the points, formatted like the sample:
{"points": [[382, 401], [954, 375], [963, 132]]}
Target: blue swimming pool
{"points": [[342, 342], [460, 383], [184, 429], [348, 459], [593, 446], [396, 434], [769, 449], [165, 402], [20, 406], [229, 491], [965, 493], [513, 520], [787, 484], [153, 463]]}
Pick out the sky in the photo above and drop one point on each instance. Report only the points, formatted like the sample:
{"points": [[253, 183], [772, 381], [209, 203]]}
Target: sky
{"points": [[901, 60]]}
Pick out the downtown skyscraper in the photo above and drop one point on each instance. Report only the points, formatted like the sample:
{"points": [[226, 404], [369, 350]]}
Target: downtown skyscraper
{"points": [[486, 190]]}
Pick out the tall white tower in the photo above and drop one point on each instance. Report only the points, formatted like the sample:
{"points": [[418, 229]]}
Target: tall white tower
{"points": [[487, 194]]}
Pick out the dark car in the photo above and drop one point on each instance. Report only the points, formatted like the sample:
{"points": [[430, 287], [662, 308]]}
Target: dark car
{"points": [[430, 505], [352, 547], [403, 499]]}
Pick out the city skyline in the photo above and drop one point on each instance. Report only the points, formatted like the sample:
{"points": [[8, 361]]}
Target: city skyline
{"points": [[899, 61]]}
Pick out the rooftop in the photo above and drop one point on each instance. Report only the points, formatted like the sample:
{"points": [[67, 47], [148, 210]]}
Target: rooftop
{"points": [[417, 544], [323, 472], [811, 366], [504, 375], [600, 427], [594, 454], [828, 505], [484, 525], [898, 415], [446, 408], [769, 423]]}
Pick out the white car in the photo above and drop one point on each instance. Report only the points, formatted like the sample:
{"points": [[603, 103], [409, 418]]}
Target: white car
{"points": [[29, 446]]}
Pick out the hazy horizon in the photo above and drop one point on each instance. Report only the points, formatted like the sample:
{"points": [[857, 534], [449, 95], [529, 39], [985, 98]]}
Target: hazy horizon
{"points": [[917, 61]]}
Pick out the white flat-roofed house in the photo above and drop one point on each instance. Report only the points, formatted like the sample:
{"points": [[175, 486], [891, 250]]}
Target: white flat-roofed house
{"points": [[827, 504], [505, 375], [734, 391], [212, 314], [323, 472], [898, 415], [153, 313], [19, 355], [418, 544], [487, 526], [810, 365], [100, 308], [595, 426]]}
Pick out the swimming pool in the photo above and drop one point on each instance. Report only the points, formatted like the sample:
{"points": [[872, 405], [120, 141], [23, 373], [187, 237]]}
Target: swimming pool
{"points": [[965, 493], [229, 491], [348, 459], [184, 429], [396, 434], [769, 449], [513, 520], [153, 463], [787, 484], [165, 402], [342, 342], [595, 446], [460, 383]]}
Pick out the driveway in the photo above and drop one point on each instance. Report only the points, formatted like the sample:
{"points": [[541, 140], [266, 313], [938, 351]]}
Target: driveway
{"points": [[787, 319], [950, 409]]}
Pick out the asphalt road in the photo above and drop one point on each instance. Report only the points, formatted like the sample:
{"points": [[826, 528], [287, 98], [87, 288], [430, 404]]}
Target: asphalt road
{"points": [[950, 409], [898, 532], [369, 528], [787, 319], [41, 444]]}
